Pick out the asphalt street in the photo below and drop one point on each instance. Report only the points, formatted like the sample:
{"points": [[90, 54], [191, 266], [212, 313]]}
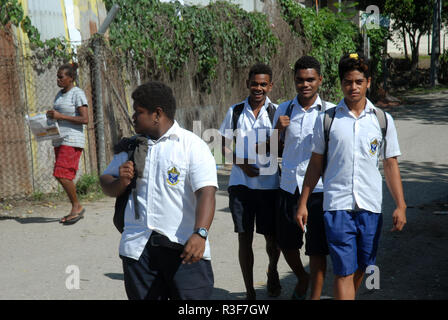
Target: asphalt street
{"points": [[39, 258]]}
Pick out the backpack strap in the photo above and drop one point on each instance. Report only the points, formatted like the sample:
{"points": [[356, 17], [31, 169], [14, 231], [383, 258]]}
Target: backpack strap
{"points": [[271, 112], [237, 110], [382, 120], [328, 121]]}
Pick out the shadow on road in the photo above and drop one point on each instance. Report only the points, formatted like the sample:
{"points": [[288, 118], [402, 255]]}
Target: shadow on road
{"points": [[423, 108], [28, 220]]}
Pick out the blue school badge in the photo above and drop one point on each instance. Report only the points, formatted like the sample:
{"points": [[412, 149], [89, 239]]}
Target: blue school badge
{"points": [[373, 146], [173, 176]]}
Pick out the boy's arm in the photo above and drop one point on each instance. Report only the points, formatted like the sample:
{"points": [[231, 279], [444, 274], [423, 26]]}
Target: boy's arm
{"points": [[113, 186], [248, 169], [205, 211], [312, 175], [393, 181]]}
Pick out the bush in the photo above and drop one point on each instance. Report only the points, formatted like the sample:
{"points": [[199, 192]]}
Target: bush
{"points": [[88, 184], [331, 35]]}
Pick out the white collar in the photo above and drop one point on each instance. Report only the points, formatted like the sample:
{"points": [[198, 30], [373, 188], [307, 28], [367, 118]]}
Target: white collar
{"points": [[317, 103]]}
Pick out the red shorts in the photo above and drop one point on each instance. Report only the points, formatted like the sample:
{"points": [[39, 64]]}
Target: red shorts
{"points": [[67, 160]]}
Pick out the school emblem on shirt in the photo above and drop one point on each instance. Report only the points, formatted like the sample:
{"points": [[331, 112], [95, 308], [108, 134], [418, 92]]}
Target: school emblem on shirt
{"points": [[373, 146], [173, 176]]}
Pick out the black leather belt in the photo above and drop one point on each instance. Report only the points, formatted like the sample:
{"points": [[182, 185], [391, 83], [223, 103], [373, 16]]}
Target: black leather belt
{"points": [[159, 240]]}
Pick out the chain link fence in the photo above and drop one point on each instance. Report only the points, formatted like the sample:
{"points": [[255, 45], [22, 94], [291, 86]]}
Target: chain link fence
{"points": [[27, 88]]}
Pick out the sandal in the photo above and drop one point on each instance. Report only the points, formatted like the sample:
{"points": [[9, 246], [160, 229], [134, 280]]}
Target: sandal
{"points": [[76, 218]]}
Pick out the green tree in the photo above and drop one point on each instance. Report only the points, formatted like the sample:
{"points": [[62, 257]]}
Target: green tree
{"points": [[412, 18]]}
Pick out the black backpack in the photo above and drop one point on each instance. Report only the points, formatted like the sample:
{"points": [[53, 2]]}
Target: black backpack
{"points": [[125, 145], [237, 110]]}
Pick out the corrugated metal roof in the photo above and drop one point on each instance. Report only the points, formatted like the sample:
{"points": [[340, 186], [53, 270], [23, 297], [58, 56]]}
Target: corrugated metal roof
{"points": [[47, 17]]}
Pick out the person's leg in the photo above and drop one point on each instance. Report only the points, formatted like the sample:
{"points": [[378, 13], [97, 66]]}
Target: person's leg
{"points": [[318, 267], [65, 168], [292, 257], [357, 279], [316, 246], [243, 219], [341, 232], [70, 189], [274, 287], [246, 260], [344, 288], [290, 240], [194, 281]]}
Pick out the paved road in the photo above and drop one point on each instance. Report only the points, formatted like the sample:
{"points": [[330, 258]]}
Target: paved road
{"points": [[36, 250]]}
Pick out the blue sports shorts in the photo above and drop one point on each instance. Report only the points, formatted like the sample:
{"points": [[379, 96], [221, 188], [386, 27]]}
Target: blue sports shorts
{"points": [[353, 238]]}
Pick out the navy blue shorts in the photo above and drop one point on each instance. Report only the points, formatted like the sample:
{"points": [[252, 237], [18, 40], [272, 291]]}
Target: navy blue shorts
{"points": [[160, 275], [253, 206], [289, 233], [353, 238]]}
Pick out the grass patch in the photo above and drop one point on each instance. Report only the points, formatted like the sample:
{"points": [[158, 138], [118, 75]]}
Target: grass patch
{"points": [[425, 90]]}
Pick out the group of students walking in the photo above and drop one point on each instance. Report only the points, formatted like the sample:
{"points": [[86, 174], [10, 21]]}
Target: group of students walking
{"points": [[329, 186], [327, 190]]}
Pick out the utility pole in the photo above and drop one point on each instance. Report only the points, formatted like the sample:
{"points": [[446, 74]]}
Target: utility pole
{"points": [[435, 51], [98, 88]]}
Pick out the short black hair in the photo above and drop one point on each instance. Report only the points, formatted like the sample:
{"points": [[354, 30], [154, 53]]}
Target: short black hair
{"points": [[260, 68], [155, 94], [70, 69], [354, 62], [307, 62]]}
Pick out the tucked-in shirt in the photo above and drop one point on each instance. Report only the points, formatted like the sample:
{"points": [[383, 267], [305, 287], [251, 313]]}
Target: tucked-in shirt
{"points": [[352, 179], [298, 142], [177, 165], [249, 132], [67, 103]]}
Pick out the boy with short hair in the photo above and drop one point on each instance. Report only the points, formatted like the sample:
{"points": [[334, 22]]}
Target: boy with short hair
{"points": [[352, 181], [252, 192], [295, 121]]}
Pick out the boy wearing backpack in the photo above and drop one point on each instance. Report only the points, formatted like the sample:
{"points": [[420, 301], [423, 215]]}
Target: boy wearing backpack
{"points": [[252, 192], [295, 121], [346, 153]]}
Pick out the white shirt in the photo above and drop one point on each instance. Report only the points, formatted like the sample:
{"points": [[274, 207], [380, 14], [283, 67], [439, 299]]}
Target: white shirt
{"points": [[250, 131], [167, 203], [355, 146], [298, 143]]}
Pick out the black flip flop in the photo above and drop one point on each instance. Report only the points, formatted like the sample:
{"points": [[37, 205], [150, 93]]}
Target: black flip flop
{"points": [[78, 217]]}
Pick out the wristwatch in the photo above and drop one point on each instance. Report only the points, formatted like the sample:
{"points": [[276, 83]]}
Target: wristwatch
{"points": [[202, 232]]}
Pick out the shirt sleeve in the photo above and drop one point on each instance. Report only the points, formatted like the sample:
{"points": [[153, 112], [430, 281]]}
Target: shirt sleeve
{"points": [[80, 98], [226, 126], [113, 168], [318, 144], [202, 170], [391, 143]]}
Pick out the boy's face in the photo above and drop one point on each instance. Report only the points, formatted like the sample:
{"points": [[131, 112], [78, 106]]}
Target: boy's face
{"points": [[259, 86], [354, 86], [307, 83], [144, 120]]}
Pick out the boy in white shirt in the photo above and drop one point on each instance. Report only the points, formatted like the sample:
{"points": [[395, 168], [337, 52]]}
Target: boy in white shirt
{"points": [[252, 193], [295, 121], [352, 181]]}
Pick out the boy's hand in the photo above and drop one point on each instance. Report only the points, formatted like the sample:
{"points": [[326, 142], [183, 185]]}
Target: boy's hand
{"points": [[399, 219], [282, 123], [126, 173], [250, 170], [302, 217]]}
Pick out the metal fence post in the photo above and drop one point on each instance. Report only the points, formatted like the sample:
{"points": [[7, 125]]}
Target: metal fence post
{"points": [[98, 88]]}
